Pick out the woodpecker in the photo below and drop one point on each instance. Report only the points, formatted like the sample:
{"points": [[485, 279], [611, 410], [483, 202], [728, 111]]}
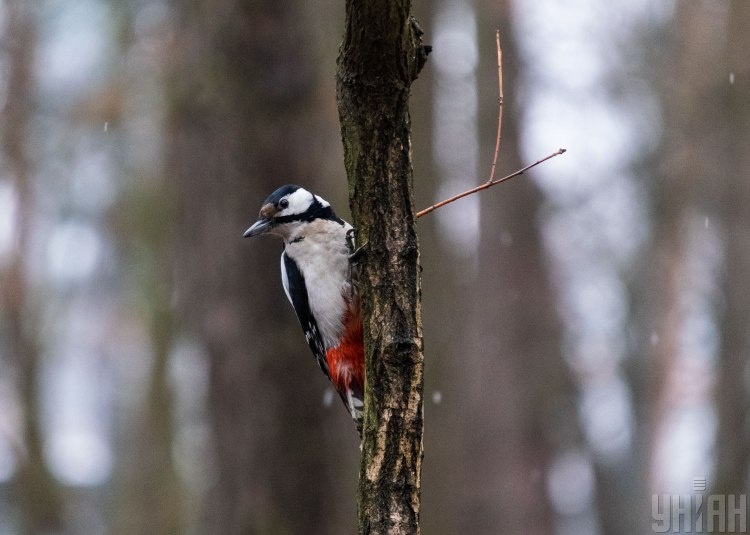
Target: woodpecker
{"points": [[316, 273]]}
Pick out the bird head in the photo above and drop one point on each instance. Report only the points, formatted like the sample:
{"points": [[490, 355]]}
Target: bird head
{"points": [[286, 208]]}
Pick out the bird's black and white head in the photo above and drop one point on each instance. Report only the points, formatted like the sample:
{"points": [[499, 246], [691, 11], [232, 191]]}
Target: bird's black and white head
{"points": [[286, 209]]}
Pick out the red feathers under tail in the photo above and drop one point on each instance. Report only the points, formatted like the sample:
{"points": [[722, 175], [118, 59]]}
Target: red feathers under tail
{"points": [[346, 366]]}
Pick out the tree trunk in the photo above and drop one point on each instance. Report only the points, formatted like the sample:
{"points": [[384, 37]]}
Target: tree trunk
{"points": [[40, 499], [704, 161], [732, 158], [243, 121], [516, 414], [380, 57]]}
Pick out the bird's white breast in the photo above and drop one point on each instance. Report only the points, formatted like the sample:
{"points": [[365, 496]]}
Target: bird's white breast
{"points": [[322, 257]]}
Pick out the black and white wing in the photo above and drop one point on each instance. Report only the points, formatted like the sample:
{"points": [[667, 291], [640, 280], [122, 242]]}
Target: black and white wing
{"points": [[296, 292]]}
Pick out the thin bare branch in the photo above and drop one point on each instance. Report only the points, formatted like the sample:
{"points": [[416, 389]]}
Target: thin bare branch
{"points": [[491, 180], [499, 104], [488, 184]]}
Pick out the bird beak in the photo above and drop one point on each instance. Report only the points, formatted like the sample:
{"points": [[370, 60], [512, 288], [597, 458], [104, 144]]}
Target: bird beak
{"points": [[264, 222], [261, 226]]}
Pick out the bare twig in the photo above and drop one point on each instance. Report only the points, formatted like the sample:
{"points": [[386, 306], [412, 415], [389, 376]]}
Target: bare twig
{"points": [[499, 104], [491, 180], [488, 184]]}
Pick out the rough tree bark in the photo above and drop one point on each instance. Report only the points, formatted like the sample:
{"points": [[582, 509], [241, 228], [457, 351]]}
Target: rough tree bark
{"points": [[381, 55]]}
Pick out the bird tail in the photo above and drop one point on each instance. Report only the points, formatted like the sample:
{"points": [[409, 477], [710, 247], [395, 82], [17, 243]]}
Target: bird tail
{"points": [[354, 400]]}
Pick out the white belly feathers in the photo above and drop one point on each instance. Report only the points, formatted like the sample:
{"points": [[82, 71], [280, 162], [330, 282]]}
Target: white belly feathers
{"points": [[320, 251]]}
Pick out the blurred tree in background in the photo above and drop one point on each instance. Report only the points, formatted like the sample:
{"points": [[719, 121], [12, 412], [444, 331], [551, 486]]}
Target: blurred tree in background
{"points": [[246, 117], [36, 490], [585, 328]]}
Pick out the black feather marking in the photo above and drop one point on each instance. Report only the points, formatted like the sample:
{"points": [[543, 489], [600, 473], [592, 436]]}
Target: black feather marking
{"points": [[283, 191], [298, 294], [355, 406], [315, 211]]}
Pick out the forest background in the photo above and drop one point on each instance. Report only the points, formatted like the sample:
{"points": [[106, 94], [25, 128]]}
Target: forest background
{"points": [[586, 327]]}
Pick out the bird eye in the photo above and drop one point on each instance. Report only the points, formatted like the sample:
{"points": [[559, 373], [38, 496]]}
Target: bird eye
{"points": [[283, 203]]}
